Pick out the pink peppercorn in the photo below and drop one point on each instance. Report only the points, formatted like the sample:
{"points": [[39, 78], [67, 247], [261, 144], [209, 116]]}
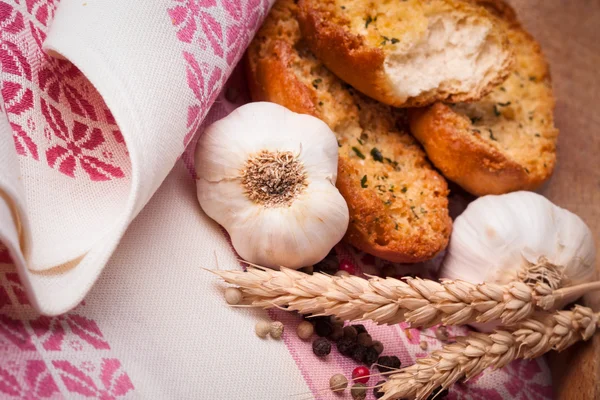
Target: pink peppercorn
{"points": [[361, 374]]}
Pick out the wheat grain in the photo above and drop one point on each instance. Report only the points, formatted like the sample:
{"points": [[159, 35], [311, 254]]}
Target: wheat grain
{"points": [[387, 301], [471, 354]]}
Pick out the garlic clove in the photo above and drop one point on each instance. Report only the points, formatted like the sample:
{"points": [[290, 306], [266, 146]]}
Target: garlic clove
{"points": [[267, 175], [496, 236], [248, 129], [237, 207], [311, 228]]}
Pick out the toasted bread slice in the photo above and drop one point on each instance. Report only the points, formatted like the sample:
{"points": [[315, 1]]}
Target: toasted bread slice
{"points": [[398, 203], [408, 53], [507, 140]]}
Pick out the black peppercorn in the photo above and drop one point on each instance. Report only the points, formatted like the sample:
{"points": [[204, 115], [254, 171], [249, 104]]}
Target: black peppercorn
{"points": [[323, 327], [345, 346], [350, 332], [364, 339], [321, 347], [378, 346], [371, 356], [388, 363], [438, 393], [376, 391], [336, 333], [360, 328], [358, 353]]}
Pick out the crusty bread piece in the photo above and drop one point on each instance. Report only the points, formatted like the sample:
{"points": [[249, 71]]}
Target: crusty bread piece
{"points": [[408, 53], [507, 140], [398, 203]]}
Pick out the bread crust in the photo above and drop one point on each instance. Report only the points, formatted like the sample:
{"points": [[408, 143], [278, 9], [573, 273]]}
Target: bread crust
{"points": [[458, 148], [269, 60], [352, 59]]}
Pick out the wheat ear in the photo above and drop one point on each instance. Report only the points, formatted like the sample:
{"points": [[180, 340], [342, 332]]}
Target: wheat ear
{"points": [[387, 301], [471, 354]]}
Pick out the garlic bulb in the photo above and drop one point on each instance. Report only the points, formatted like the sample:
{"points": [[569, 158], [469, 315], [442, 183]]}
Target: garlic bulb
{"points": [[497, 237], [267, 175]]}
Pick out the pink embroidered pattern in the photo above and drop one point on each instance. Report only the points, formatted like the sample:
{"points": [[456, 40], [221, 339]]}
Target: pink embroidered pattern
{"points": [[42, 357], [76, 136], [205, 34]]}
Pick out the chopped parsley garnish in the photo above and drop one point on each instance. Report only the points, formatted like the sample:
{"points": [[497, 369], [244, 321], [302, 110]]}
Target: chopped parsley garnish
{"points": [[358, 153], [339, 144], [392, 188], [368, 21], [394, 40], [376, 154], [343, 7], [396, 226], [474, 120], [492, 135], [423, 211], [537, 135], [404, 189], [320, 103], [360, 141], [363, 182], [496, 111], [476, 131], [532, 78], [502, 88], [504, 104], [526, 170], [387, 202], [412, 208], [316, 82]]}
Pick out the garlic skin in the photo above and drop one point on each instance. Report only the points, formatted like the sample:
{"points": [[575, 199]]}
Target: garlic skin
{"points": [[267, 175], [496, 236]]}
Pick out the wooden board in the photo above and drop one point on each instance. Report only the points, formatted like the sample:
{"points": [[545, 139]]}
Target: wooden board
{"points": [[570, 36]]}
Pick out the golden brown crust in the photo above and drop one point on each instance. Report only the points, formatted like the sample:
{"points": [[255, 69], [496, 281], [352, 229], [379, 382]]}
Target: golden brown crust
{"points": [[475, 165], [360, 64], [397, 223], [507, 140]]}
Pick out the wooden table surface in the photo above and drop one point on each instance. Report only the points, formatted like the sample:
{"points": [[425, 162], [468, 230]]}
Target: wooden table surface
{"points": [[569, 32]]}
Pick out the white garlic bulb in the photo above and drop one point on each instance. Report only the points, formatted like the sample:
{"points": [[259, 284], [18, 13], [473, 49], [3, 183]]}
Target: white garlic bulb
{"points": [[267, 175], [497, 236]]}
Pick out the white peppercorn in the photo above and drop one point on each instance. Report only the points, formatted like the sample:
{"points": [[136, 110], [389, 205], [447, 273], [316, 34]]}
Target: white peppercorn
{"points": [[338, 383], [276, 330], [233, 296], [262, 328], [342, 273], [305, 330]]}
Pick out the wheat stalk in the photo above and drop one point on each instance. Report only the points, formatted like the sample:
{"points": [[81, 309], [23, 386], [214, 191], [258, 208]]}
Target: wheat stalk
{"points": [[471, 354], [387, 301]]}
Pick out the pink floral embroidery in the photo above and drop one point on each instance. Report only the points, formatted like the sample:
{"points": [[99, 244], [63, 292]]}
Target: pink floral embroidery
{"points": [[35, 383], [43, 10], [199, 86], [25, 343], [34, 84], [23, 143], [76, 141], [4, 256], [17, 289], [14, 331], [520, 384], [114, 382]]}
